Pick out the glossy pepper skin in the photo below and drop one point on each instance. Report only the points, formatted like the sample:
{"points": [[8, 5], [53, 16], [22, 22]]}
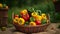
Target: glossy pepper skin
{"points": [[26, 17], [43, 15], [16, 16], [38, 17], [32, 24], [23, 12], [34, 14], [26, 23], [44, 21], [21, 21], [1, 5], [15, 19], [38, 22]]}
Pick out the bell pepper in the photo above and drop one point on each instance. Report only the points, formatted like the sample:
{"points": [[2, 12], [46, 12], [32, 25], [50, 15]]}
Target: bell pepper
{"points": [[38, 22], [1, 5], [44, 17], [43, 14], [26, 23], [16, 16], [26, 17], [21, 21], [38, 17], [32, 24], [15, 20], [44, 21], [32, 19], [34, 14], [23, 12]]}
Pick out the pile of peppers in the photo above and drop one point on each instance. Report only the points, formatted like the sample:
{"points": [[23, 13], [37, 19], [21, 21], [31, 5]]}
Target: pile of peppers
{"points": [[32, 18]]}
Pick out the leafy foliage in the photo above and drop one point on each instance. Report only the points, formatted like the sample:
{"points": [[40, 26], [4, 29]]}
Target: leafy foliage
{"points": [[46, 6]]}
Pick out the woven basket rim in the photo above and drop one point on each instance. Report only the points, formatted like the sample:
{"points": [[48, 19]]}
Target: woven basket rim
{"points": [[31, 26]]}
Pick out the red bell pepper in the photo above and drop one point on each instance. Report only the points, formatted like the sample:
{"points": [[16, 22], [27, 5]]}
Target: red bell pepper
{"points": [[38, 22], [16, 16], [26, 17]]}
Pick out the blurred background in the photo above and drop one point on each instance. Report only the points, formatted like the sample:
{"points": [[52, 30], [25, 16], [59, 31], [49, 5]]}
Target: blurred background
{"points": [[47, 6]]}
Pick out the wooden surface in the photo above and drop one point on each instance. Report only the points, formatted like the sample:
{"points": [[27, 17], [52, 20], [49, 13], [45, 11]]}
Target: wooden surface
{"points": [[48, 31]]}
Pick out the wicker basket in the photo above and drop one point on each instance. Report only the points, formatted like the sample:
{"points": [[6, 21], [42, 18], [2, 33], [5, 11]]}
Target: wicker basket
{"points": [[31, 29]]}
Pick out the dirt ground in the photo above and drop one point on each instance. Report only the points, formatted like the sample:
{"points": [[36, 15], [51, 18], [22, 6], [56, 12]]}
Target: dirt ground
{"points": [[52, 29]]}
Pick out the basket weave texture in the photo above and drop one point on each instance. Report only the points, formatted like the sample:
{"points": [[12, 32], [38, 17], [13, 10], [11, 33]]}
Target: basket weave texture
{"points": [[31, 29]]}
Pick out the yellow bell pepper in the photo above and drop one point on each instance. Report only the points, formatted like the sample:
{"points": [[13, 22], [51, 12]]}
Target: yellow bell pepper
{"points": [[15, 20], [38, 17], [32, 24], [1, 5], [43, 14], [45, 17], [21, 21], [34, 14], [24, 11]]}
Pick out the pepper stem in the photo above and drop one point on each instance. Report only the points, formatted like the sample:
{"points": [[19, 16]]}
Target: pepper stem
{"points": [[39, 11], [33, 9]]}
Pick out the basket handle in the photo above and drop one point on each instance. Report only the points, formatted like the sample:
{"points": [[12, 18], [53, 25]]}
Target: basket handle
{"points": [[48, 16]]}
